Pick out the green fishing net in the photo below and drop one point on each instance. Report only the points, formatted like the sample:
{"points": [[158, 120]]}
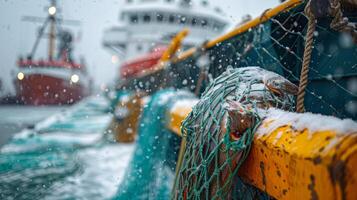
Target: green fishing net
{"points": [[212, 157], [150, 174]]}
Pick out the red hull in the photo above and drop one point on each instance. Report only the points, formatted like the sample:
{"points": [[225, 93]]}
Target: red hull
{"points": [[40, 89], [142, 64]]}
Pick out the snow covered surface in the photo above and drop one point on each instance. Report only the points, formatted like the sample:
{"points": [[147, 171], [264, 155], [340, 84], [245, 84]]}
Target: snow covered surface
{"points": [[301, 121], [185, 103], [166, 97]]}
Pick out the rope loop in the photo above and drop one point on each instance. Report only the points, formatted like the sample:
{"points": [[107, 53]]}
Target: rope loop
{"points": [[341, 23]]}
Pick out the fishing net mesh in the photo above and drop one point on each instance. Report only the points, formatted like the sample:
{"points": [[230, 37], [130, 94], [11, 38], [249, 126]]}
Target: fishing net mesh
{"points": [[213, 156], [278, 45]]}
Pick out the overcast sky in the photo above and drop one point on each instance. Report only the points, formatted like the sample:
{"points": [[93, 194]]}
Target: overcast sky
{"points": [[17, 37]]}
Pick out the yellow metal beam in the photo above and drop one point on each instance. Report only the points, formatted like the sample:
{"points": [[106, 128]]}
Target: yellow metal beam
{"points": [[268, 14], [177, 114], [292, 162], [256, 21], [174, 46]]}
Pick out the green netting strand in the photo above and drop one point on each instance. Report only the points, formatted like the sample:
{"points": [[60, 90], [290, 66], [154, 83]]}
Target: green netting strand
{"points": [[212, 157]]}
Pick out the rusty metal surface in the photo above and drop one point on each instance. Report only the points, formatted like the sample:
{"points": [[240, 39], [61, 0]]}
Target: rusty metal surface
{"points": [[303, 164], [292, 162]]}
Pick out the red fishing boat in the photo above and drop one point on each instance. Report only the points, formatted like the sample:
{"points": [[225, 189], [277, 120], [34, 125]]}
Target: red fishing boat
{"points": [[143, 64], [58, 79]]}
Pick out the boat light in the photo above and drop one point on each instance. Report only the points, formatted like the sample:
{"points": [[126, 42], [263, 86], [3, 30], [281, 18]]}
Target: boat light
{"points": [[20, 76], [74, 78], [52, 10], [115, 59]]}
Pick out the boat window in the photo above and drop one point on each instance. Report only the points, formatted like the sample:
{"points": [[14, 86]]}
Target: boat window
{"points": [[147, 18], [194, 21], [123, 46], [183, 20], [204, 22], [134, 19], [172, 18], [159, 17], [218, 10]]}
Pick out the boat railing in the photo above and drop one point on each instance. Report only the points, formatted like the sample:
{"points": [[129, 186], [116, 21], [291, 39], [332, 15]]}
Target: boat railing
{"points": [[275, 41]]}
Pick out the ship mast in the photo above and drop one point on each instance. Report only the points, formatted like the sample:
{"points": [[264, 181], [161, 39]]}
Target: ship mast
{"points": [[52, 36], [53, 23]]}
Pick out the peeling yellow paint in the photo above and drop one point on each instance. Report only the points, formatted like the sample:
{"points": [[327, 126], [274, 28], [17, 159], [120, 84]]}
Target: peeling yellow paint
{"points": [[297, 164]]}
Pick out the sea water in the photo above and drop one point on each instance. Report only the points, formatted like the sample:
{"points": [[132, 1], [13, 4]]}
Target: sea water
{"points": [[66, 156]]}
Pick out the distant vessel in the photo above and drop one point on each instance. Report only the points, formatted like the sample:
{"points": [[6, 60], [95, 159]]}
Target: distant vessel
{"points": [[139, 65], [58, 79], [148, 25]]}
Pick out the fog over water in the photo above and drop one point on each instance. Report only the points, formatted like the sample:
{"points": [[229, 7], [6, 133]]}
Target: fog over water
{"points": [[17, 37]]}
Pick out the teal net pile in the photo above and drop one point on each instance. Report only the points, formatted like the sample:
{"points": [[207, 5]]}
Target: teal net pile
{"points": [[151, 172], [278, 45], [213, 155], [64, 157]]}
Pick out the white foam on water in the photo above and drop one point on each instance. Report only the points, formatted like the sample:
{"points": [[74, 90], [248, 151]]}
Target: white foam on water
{"points": [[103, 169], [95, 167]]}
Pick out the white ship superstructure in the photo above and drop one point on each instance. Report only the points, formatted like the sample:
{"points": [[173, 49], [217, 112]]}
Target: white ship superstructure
{"points": [[145, 24]]}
